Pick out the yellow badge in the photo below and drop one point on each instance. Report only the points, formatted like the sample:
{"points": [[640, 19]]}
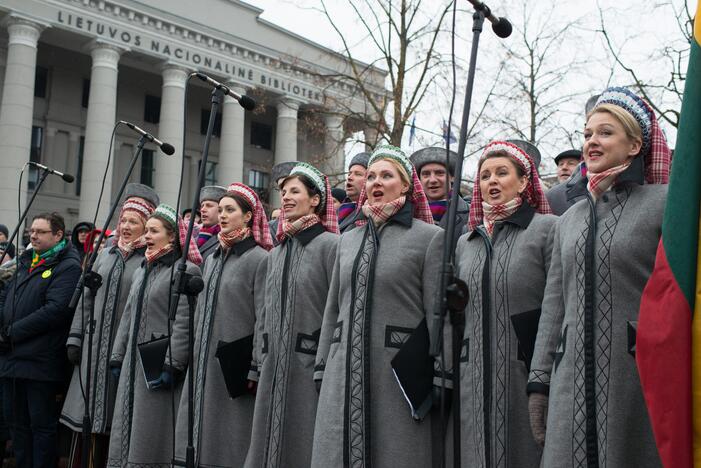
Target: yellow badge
{"points": [[46, 274]]}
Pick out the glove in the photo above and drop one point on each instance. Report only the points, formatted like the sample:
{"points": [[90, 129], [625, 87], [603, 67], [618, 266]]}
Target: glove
{"points": [[538, 413], [164, 381], [252, 387], [73, 353], [115, 370]]}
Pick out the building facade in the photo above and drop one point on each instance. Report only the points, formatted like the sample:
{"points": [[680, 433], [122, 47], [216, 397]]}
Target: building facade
{"points": [[70, 69]]}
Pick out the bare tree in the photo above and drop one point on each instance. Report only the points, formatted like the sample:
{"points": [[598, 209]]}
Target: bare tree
{"points": [[534, 98], [663, 92], [402, 36]]}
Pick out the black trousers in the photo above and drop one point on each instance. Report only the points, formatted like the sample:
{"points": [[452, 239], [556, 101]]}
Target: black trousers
{"points": [[32, 416]]}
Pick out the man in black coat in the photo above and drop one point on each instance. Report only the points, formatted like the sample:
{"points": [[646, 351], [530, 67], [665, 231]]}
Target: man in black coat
{"points": [[35, 321]]}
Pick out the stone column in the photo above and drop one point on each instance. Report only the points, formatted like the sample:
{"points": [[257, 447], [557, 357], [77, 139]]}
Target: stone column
{"points": [[286, 133], [170, 130], [230, 167], [16, 113], [102, 109], [334, 148], [285, 138]]}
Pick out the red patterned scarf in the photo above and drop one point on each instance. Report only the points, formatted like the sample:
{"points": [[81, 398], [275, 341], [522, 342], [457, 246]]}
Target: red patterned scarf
{"points": [[228, 239], [153, 256], [494, 213], [207, 232], [127, 248], [380, 213], [290, 229], [600, 182]]}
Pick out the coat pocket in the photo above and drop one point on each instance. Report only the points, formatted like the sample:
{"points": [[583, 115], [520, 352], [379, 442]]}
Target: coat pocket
{"points": [[308, 344], [395, 337], [526, 328]]}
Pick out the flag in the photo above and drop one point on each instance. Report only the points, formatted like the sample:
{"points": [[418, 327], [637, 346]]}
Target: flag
{"points": [[412, 131], [668, 346], [448, 134]]}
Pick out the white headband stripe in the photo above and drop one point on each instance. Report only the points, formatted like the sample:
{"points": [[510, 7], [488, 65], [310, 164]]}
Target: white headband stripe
{"points": [[511, 151], [245, 193], [137, 207]]}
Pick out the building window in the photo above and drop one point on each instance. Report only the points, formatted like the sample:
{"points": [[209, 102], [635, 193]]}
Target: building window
{"points": [[79, 176], [86, 93], [210, 175], [260, 182], [41, 79], [204, 122], [147, 167], [261, 135], [152, 109], [35, 156]]}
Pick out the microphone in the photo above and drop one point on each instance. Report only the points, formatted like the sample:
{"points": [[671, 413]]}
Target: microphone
{"points": [[501, 26], [165, 147], [244, 101], [67, 177]]}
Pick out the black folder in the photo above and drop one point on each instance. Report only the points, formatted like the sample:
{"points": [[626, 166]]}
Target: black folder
{"points": [[235, 362], [526, 327], [413, 369], [153, 356]]}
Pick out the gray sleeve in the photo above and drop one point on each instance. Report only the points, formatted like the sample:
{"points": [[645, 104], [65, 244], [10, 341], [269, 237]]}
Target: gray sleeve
{"points": [[259, 311], [551, 317], [328, 325], [177, 358]]}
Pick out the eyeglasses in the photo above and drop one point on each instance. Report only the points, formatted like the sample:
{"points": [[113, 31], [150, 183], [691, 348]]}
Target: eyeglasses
{"points": [[39, 231]]}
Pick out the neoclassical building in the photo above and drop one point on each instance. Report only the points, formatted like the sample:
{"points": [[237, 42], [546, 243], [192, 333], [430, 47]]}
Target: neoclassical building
{"points": [[69, 69]]}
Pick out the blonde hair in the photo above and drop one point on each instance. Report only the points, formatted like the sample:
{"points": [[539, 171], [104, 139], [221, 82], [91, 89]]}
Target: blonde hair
{"points": [[405, 178], [630, 125]]}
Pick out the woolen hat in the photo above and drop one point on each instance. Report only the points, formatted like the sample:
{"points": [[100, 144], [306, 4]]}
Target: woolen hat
{"points": [[433, 154], [212, 192], [141, 191]]}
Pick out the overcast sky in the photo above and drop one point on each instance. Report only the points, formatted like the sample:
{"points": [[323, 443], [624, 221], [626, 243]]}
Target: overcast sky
{"points": [[638, 29]]}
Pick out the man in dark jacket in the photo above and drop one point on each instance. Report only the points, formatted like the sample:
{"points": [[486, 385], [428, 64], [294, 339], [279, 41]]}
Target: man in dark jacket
{"points": [[35, 321]]}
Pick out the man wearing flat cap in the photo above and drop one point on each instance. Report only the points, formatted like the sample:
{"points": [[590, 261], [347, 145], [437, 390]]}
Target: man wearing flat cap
{"points": [[432, 167], [355, 179], [567, 162], [207, 239]]}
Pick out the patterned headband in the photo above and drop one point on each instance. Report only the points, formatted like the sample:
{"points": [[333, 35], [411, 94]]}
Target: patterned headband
{"points": [[313, 174], [393, 153], [143, 209], [168, 213], [510, 149], [631, 103], [244, 191]]}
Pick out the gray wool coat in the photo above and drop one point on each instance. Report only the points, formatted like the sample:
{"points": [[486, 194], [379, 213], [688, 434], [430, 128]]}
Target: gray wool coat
{"points": [[142, 426], [107, 305], [228, 309], [506, 277], [299, 275], [209, 247], [363, 418], [585, 351]]}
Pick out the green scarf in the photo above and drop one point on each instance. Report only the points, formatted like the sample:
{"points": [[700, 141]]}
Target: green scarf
{"points": [[39, 259]]}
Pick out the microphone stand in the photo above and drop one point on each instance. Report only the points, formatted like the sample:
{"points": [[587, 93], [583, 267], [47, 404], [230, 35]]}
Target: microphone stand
{"points": [[185, 283], [454, 291], [44, 174], [93, 281]]}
